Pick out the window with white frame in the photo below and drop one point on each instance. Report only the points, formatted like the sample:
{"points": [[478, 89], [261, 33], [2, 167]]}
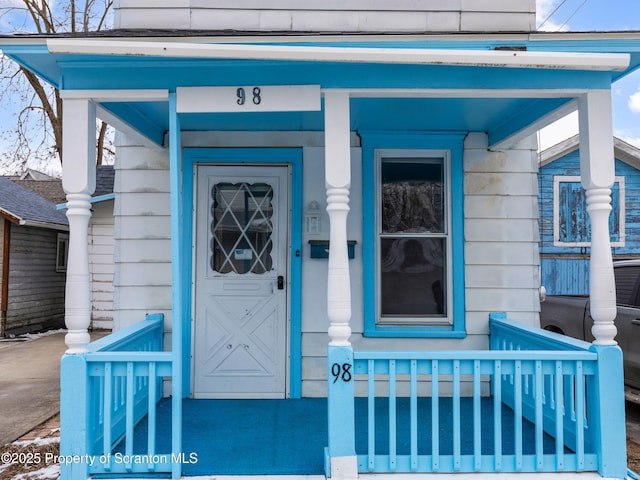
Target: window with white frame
{"points": [[413, 237], [571, 223]]}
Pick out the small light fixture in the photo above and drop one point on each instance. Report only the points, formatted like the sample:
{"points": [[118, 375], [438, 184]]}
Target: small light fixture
{"points": [[312, 218]]}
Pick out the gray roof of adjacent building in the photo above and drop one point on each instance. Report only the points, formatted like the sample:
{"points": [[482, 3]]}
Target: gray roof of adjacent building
{"points": [[25, 207]]}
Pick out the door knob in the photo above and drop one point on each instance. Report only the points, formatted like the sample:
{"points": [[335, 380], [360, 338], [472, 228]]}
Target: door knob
{"points": [[280, 282]]}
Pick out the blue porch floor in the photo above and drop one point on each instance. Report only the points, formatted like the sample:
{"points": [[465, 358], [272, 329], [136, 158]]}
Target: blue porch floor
{"points": [[287, 437]]}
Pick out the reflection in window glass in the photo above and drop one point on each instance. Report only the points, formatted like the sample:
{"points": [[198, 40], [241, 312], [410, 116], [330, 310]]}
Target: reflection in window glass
{"points": [[412, 240], [412, 196], [412, 277]]}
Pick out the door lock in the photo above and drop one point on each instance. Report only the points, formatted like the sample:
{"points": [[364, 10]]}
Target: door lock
{"points": [[280, 282]]}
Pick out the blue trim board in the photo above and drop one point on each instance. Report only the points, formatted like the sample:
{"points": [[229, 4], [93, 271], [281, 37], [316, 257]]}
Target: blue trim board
{"points": [[177, 273], [453, 142], [500, 116], [293, 158]]}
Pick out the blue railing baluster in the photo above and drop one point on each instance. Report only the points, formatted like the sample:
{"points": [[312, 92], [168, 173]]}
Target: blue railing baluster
{"points": [[129, 413], [456, 415], [571, 382], [372, 415], [106, 401], [580, 414], [435, 417], [539, 423], [392, 416], [477, 417], [497, 414], [560, 415], [151, 416], [517, 413], [414, 413]]}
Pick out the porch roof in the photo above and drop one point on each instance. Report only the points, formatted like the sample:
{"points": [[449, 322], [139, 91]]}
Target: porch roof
{"points": [[500, 84]]}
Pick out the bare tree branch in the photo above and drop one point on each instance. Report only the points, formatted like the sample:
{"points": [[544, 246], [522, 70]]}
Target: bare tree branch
{"points": [[38, 131]]}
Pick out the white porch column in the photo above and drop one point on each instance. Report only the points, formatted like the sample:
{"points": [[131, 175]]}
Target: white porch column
{"points": [[343, 462], [338, 183], [78, 181], [597, 169]]}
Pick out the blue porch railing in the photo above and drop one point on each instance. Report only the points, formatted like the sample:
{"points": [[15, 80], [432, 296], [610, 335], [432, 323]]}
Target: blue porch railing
{"points": [[105, 393], [535, 402]]}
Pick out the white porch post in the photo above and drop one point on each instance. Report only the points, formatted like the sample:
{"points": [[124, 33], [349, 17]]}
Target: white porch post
{"points": [[598, 171], [78, 181], [338, 183], [343, 463]]}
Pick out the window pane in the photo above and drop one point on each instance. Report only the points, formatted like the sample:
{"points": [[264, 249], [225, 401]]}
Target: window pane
{"points": [[241, 228], [626, 279], [412, 279], [413, 196], [574, 224]]}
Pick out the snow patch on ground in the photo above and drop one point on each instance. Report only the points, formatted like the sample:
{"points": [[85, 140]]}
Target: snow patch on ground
{"points": [[50, 472], [38, 441], [34, 336]]}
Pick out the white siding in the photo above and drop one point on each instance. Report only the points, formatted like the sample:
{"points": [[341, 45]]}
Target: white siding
{"points": [[142, 253], [101, 264], [501, 233], [328, 15]]}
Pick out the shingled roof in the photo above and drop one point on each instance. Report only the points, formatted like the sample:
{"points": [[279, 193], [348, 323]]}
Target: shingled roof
{"points": [[105, 175], [49, 189], [24, 207]]}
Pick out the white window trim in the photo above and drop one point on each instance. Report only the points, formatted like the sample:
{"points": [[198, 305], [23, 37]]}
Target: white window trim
{"points": [[445, 155], [557, 179]]}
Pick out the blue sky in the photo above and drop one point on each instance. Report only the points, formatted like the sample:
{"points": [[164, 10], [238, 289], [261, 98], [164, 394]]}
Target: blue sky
{"points": [[599, 15]]}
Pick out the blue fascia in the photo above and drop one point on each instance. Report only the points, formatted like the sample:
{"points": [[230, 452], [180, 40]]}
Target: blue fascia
{"points": [[499, 116], [50, 67]]}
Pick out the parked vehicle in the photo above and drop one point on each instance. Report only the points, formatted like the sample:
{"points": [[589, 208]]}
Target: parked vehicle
{"points": [[570, 315]]}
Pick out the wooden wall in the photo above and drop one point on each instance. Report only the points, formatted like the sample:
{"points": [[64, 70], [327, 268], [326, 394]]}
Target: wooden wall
{"points": [[565, 268], [3, 293], [36, 290], [328, 15]]}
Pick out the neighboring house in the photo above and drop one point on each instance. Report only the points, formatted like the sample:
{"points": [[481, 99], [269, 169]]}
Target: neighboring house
{"points": [[101, 249], [564, 223], [100, 235], [31, 174], [340, 227], [33, 261]]}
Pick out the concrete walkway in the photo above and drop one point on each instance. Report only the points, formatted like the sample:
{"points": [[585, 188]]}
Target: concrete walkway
{"points": [[29, 384]]}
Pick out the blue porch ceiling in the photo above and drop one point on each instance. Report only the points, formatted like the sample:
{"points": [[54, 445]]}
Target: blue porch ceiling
{"points": [[497, 114], [370, 114]]}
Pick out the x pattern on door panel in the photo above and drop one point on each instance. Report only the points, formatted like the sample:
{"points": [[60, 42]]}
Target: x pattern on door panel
{"points": [[241, 335]]}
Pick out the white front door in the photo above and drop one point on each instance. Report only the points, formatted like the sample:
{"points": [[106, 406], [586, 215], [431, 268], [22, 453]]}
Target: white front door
{"points": [[240, 325]]}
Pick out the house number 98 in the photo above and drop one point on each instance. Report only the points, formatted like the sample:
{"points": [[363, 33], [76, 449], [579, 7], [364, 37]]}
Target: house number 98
{"points": [[342, 372], [242, 96]]}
